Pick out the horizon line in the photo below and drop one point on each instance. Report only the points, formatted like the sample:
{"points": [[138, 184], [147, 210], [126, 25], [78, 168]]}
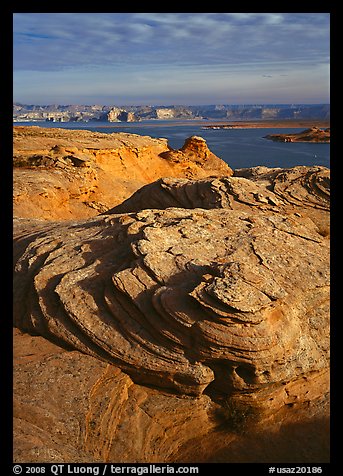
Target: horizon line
{"points": [[176, 104]]}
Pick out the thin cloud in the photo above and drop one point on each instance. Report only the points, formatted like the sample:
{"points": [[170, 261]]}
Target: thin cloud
{"points": [[52, 41], [173, 50]]}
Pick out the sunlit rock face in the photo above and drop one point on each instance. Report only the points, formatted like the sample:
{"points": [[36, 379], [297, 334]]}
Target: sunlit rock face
{"points": [[186, 299], [63, 174], [187, 323]]}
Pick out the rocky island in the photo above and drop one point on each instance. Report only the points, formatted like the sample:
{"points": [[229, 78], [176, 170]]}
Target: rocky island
{"points": [[313, 134], [166, 307]]}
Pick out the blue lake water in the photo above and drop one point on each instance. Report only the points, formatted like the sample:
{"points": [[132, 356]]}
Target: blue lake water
{"points": [[237, 147]]}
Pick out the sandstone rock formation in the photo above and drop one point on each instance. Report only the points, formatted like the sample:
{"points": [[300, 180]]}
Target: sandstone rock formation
{"points": [[301, 190], [70, 407], [169, 327], [146, 288], [195, 149], [64, 174], [180, 287]]}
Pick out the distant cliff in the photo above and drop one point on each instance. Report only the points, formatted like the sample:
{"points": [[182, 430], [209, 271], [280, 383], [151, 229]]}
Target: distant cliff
{"points": [[85, 113]]}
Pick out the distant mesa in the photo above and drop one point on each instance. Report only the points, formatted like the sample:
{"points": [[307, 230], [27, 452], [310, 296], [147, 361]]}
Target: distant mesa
{"points": [[119, 115], [85, 113]]}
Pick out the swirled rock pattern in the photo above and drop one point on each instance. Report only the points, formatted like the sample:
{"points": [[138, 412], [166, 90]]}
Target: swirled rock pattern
{"points": [[182, 299], [305, 187], [152, 332], [287, 190]]}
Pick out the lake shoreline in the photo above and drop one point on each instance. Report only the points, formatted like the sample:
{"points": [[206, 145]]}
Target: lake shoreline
{"points": [[266, 124], [263, 124], [241, 148]]}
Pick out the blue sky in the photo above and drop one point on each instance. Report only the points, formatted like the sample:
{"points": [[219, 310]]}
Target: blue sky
{"points": [[171, 58]]}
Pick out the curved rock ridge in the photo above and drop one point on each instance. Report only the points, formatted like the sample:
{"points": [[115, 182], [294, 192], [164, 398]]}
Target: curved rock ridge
{"points": [[72, 407], [300, 186], [222, 300], [260, 187]]}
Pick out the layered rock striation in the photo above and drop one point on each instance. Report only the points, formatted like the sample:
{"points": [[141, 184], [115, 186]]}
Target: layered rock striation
{"points": [[191, 313], [185, 299], [302, 188]]}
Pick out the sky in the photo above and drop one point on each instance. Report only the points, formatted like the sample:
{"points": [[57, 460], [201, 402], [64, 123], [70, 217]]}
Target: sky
{"points": [[171, 58]]}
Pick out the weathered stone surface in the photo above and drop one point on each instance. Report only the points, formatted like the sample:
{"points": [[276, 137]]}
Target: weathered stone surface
{"points": [[73, 408], [305, 187], [185, 325], [301, 190], [64, 174], [183, 298]]}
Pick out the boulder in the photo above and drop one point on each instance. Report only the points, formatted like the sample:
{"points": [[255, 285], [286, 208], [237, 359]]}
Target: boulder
{"points": [[185, 299]]}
